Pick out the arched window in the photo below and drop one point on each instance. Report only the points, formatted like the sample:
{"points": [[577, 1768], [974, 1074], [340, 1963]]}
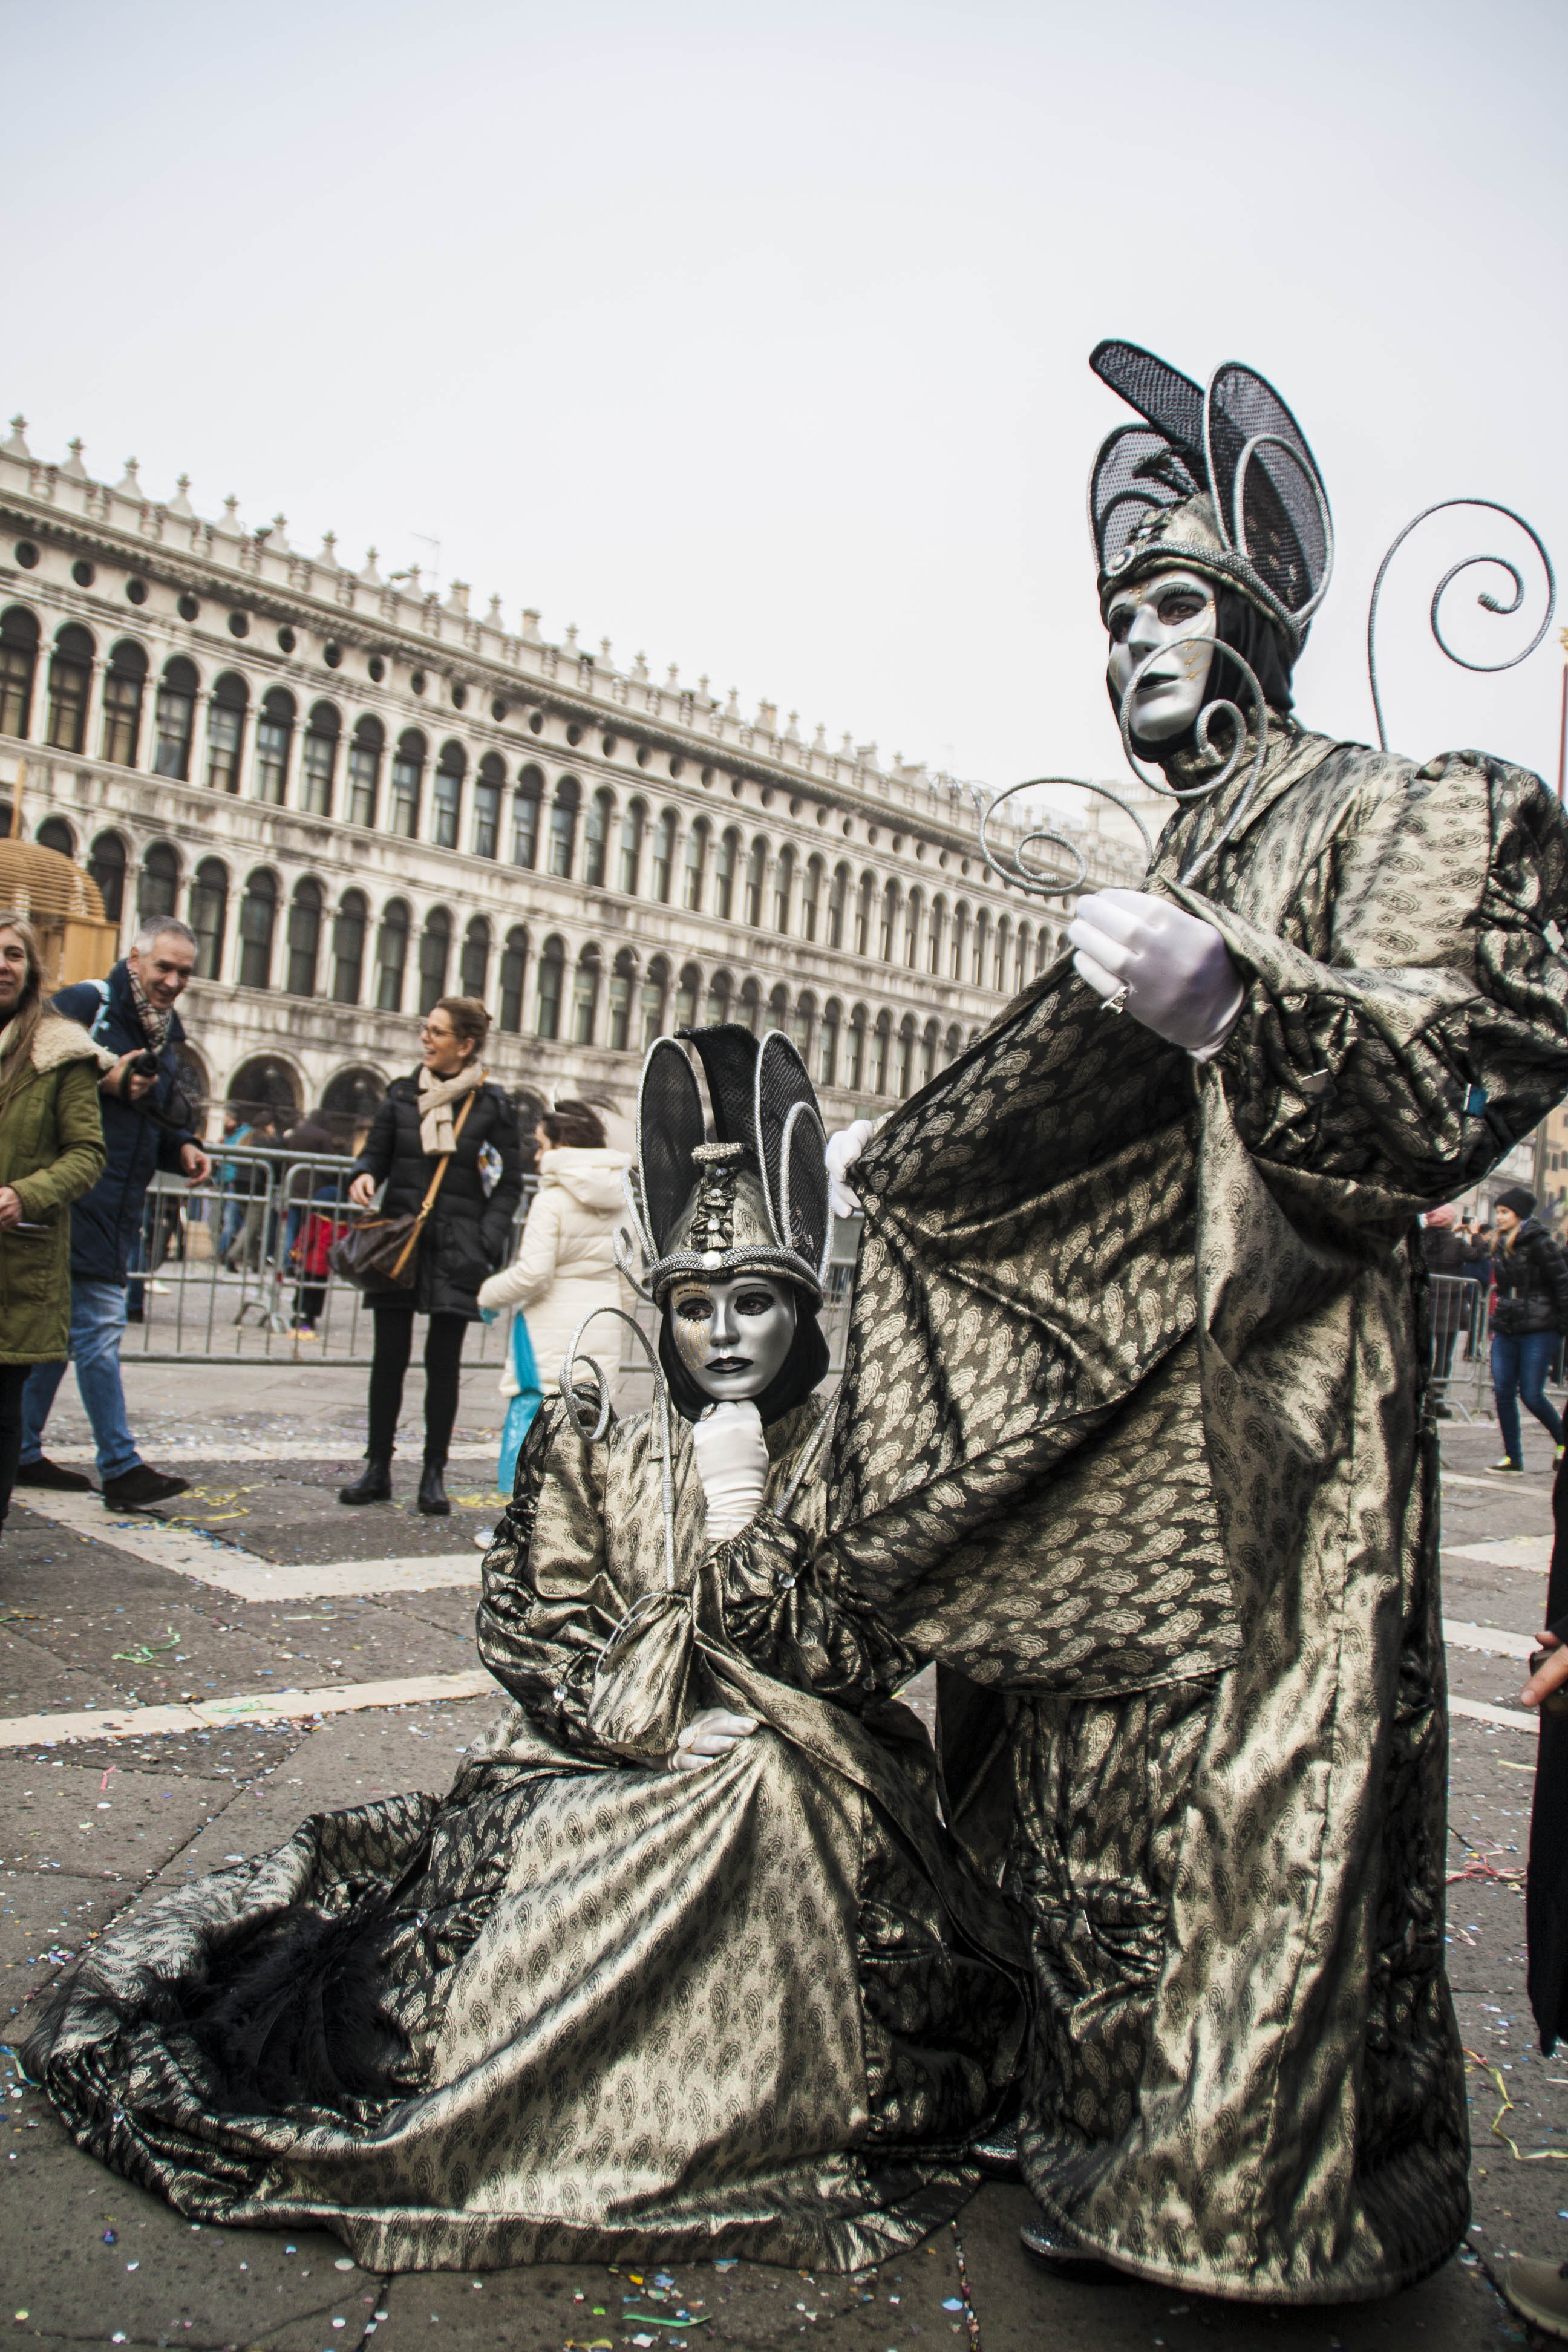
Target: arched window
{"points": [[18, 664], [158, 890], [655, 988], [1044, 950], [982, 945], [906, 1056], [887, 929], [724, 865], [783, 889], [258, 921], [435, 956], [914, 912], [513, 976], [564, 827], [865, 899], [935, 931], [525, 803], [778, 1006], [349, 928], [106, 864], [855, 1069], [719, 990], [811, 899], [596, 837], [304, 937], [70, 680], [688, 990], [274, 736], [209, 916], [585, 996], [756, 879], [56, 833], [226, 708], [881, 1046], [837, 906], [827, 1044], [632, 825], [174, 718], [960, 939], [448, 796], [928, 1044], [1003, 947], [474, 965], [801, 1024], [751, 1005], [488, 785], [124, 683], [552, 961], [364, 769], [696, 865], [391, 956], [663, 857], [1022, 958], [319, 759], [952, 1045], [623, 980], [407, 777]]}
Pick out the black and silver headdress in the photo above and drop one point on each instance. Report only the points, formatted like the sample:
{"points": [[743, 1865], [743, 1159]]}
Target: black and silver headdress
{"points": [[1221, 481], [757, 1194]]}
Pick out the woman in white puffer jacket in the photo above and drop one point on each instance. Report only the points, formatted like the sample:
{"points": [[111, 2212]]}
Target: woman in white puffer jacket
{"points": [[566, 1267]]}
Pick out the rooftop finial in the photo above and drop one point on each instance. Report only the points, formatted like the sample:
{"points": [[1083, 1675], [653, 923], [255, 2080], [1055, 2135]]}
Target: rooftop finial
{"points": [[131, 486], [328, 558], [370, 575], [73, 464], [17, 447], [275, 539], [180, 503]]}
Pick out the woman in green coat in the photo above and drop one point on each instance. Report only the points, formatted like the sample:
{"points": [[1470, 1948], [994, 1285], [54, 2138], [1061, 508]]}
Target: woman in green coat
{"points": [[51, 1152]]}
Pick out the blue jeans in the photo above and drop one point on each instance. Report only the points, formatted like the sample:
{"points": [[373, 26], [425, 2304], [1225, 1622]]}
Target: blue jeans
{"points": [[1520, 1365], [98, 1321]]}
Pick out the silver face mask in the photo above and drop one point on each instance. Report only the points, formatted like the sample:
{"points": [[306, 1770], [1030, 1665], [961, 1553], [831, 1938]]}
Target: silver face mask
{"points": [[1173, 615], [734, 1333]]}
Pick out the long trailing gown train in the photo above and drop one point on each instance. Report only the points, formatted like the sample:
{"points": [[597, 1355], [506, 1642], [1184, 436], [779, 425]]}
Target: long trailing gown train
{"points": [[582, 2007]]}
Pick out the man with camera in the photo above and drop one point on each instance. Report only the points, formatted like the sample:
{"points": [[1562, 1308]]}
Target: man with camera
{"points": [[146, 1127]]}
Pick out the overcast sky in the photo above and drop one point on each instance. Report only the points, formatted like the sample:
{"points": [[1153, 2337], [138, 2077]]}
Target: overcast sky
{"points": [[754, 338]]}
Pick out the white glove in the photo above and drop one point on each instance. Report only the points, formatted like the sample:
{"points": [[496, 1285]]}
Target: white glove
{"points": [[1177, 972], [843, 1149], [732, 1463], [712, 1733]]}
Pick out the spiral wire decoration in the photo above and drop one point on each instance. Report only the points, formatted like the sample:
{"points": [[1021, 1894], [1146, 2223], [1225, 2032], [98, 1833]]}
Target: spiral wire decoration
{"points": [[1486, 599], [1020, 869], [569, 1364]]}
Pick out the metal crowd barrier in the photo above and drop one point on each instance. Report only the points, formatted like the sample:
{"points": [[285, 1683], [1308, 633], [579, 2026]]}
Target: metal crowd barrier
{"points": [[1461, 1353], [234, 1272]]}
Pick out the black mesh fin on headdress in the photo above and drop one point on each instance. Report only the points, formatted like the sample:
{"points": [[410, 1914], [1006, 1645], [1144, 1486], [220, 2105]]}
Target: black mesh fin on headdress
{"points": [[803, 1191], [669, 1128], [783, 1083], [1137, 472], [728, 1052], [1283, 528], [1172, 402]]}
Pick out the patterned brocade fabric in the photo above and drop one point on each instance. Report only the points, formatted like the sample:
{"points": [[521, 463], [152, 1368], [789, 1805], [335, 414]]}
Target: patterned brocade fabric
{"points": [[1132, 1437]]}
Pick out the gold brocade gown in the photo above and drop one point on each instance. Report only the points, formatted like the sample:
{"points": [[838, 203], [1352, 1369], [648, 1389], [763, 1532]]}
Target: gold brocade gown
{"points": [[582, 2007]]}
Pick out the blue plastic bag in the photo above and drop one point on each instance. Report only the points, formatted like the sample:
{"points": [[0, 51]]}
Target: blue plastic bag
{"points": [[522, 1408]]}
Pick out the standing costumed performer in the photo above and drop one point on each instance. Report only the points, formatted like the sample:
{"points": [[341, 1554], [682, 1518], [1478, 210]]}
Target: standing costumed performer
{"points": [[1134, 1438]]}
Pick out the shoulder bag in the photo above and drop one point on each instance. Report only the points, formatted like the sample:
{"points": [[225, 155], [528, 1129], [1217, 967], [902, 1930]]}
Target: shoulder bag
{"points": [[381, 1253]]}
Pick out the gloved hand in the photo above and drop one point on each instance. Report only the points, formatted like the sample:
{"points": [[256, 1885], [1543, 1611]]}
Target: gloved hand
{"points": [[1177, 972], [712, 1733], [843, 1149], [732, 1463]]}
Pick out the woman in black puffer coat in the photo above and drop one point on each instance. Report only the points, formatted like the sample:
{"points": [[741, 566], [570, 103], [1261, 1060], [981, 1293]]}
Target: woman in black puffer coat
{"points": [[465, 1237], [1529, 1276]]}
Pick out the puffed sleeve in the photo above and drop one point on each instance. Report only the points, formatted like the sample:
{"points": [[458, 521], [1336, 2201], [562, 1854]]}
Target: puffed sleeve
{"points": [[1434, 1034], [788, 1607], [549, 1604]]}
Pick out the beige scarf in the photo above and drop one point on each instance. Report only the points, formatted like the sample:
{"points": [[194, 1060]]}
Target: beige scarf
{"points": [[436, 1097]]}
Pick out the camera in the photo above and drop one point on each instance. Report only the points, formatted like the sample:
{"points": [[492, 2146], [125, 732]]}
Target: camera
{"points": [[146, 1063]]}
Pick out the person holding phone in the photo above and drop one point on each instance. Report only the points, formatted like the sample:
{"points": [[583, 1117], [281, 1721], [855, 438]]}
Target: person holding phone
{"points": [[51, 1152]]}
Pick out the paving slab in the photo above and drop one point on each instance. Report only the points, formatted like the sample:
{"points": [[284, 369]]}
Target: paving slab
{"points": [[46, 1918]]}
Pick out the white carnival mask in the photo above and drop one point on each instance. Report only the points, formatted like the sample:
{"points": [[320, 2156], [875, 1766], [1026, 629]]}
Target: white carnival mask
{"points": [[1172, 616], [732, 1333]]}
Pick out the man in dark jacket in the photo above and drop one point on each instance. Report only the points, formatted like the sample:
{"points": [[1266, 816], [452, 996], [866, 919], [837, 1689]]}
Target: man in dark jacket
{"points": [[132, 1014], [1530, 1274]]}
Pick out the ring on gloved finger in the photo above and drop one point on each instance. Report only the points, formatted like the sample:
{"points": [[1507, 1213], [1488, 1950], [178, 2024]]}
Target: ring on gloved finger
{"points": [[1116, 1003]]}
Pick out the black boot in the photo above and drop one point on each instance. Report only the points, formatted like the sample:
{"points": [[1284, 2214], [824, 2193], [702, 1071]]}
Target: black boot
{"points": [[374, 1485], [432, 1493]]}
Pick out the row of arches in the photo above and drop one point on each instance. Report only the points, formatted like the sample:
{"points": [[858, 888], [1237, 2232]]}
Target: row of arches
{"points": [[315, 761]]}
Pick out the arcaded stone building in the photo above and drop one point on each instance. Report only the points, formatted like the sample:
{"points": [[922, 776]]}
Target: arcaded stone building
{"points": [[361, 796]]}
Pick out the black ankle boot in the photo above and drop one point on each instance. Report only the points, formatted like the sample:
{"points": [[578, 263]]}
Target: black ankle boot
{"points": [[374, 1485], [432, 1493]]}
